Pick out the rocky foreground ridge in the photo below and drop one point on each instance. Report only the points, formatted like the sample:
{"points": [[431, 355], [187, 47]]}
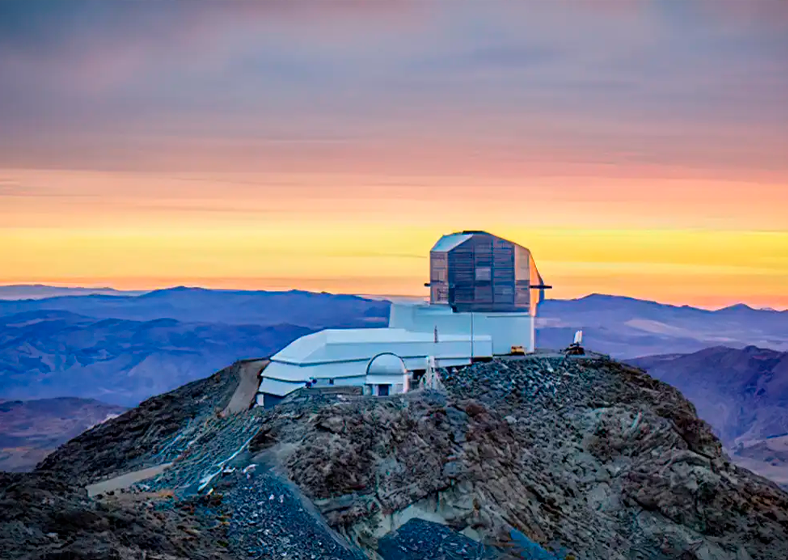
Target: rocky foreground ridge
{"points": [[522, 458]]}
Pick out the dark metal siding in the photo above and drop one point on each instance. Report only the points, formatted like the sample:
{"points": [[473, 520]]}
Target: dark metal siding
{"points": [[439, 278], [522, 264], [485, 273]]}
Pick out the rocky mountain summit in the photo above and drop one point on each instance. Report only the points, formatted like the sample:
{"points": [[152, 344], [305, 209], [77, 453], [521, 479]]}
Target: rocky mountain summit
{"points": [[539, 457]]}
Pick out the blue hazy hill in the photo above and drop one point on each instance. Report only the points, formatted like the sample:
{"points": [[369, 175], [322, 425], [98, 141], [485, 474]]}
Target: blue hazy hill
{"points": [[41, 291], [234, 307], [123, 348], [45, 354], [626, 327]]}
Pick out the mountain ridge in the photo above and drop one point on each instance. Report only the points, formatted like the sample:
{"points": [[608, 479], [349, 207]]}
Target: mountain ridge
{"points": [[628, 328], [593, 296], [62, 345], [50, 354], [584, 458], [41, 291], [217, 306]]}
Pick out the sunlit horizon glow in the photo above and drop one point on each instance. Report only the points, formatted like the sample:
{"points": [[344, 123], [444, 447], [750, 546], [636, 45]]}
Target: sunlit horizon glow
{"points": [[327, 146]]}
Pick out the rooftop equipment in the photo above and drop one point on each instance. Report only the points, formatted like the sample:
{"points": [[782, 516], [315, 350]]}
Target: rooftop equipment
{"points": [[576, 348], [484, 293]]}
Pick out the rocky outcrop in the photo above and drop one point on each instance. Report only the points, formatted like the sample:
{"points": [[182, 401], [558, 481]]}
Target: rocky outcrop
{"points": [[45, 518], [157, 431], [418, 539], [590, 457], [587, 458]]}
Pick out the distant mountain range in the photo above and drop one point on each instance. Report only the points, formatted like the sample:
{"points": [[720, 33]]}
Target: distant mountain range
{"points": [[40, 291], [122, 348], [627, 328], [46, 354], [743, 393], [620, 326], [30, 430], [231, 307]]}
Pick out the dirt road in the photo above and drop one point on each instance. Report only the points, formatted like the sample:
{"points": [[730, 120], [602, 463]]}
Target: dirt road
{"points": [[244, 395], [125, 480]]}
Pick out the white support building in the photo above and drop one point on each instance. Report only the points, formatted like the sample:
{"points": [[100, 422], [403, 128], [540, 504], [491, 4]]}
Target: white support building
{"points": [[484, 292], [340, 357]]}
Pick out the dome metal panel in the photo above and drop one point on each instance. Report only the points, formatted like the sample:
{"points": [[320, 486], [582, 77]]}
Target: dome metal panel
{"points": [[386, 363]]}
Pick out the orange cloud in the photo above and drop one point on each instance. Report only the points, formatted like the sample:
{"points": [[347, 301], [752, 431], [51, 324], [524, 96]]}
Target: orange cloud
{"points": [[288, 144], [367, 235]]}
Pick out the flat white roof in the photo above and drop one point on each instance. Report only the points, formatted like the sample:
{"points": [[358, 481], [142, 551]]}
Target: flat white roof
{"points": [[355, 343]]}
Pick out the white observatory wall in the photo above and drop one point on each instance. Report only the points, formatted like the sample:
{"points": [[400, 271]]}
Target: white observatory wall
{"points": [[507, 330], [344, 356], [504, 329], [384, 380], [340, 348], [301, 372]]}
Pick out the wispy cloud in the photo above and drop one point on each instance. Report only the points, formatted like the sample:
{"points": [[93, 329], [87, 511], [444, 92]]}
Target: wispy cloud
{"points": [[88, 83], [373, 126], [11, 188]]}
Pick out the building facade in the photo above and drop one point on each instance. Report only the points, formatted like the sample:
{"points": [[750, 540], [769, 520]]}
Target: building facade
{"points": [[477, 271], [484, 293]]}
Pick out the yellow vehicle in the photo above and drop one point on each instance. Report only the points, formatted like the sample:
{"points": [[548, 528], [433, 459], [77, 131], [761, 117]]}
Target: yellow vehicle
{"points": [[517, 351]]}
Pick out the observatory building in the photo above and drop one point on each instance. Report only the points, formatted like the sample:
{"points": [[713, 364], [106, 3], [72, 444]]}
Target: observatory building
{"points": [[386, 372], [479, 284], [484, 293], [476, 271]]}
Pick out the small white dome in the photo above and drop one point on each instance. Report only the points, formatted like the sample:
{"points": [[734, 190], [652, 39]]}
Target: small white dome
{"points": [[386, 364]]}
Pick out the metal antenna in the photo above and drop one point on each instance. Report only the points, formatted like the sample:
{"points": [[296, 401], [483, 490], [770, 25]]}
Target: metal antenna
{"points": [[471, 336]]}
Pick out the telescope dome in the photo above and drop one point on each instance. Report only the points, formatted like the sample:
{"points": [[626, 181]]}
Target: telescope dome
{"points": [[386, 364]]}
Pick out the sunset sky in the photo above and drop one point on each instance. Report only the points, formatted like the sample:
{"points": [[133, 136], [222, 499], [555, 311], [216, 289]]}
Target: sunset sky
{"points": [[637, 148]]}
